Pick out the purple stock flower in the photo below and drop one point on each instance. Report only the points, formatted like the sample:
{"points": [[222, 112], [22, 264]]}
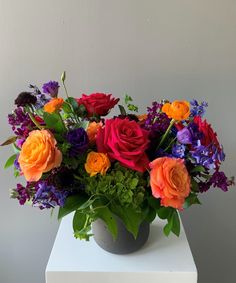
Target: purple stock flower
{"points": [[184, 136], [198, 109], [78, 139], [21, 193], [47, 196], [156, 121], [218, 179], [20, 122], [51, 88], [178, 150]]}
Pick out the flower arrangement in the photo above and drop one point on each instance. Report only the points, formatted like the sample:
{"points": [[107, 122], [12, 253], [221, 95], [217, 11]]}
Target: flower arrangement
{"points": [[132, 166]]}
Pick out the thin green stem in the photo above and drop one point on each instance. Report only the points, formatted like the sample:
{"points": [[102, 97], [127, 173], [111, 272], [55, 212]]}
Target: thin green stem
{"points": [[62, 121], [170, 144], [166, 133], [35, 122]]}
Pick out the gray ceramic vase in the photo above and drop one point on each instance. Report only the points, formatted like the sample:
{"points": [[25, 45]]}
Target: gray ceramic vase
{"points": [[125, 242]]}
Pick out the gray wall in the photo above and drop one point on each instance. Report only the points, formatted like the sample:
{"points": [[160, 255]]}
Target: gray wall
{"points": [[151, 49]]}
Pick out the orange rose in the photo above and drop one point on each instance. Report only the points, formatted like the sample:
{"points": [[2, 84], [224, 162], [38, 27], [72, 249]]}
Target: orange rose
{"points": [[177, 110], [97, 163], [92, 130], [53, 105], [39, 154], [170, 181]]}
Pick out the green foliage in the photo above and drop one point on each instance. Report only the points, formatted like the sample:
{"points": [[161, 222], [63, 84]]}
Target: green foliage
{"points": [[130, 217], [190, 200], [125, 186], [54, 121], [129, 104], [10, 161], [172, 217], [72, 203]]}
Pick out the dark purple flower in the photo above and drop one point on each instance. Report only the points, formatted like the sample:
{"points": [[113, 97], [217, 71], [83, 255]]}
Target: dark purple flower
{"points": [[25, 98], [218, 179], [78, 140], [178, 150], [156, 121], [198, 109], [184, 136], [20, 122], [51, 88], [47, 196], [21, 193]]}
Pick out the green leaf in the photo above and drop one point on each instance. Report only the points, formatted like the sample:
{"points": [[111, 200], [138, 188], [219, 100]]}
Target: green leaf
{"points": [[131, 218], [198, 169], [72, 203], [153, 202], [73, 102], [79, 221], [151, 215], [168, 227], [164, 212], [122, 110], [54, 121], [82, 225], [106, 215], [10, 161], [87, 204], [66, 108], [176, 223], [10, 140], [190, 200], [194, 186]]}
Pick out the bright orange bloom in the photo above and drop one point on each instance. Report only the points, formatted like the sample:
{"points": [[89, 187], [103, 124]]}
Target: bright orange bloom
{"points": [[142, 117], [39, 154], [170, 181], [97, 163], [53, 105], [92, 130], [177, 110]]}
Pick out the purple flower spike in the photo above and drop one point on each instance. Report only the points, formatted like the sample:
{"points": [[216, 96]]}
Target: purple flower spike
{"points": [[184, 136], [178, 150], [51, 88]]}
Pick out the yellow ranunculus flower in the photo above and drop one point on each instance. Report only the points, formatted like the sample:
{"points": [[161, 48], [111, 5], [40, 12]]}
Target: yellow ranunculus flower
{"points": [[97, 163]]}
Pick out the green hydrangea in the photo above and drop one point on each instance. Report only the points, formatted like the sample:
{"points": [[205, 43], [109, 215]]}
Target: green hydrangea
{"points": [[126, 187]]}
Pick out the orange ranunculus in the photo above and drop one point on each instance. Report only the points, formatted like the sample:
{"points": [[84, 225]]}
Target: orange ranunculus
{"points": [[170, 181], [92, 130], [142, 117], [53, 105], [39, 154], [177, 110], [97, 163]]}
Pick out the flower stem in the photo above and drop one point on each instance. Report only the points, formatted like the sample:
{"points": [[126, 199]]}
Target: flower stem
{"points": [[34, 121], [166, 133]]}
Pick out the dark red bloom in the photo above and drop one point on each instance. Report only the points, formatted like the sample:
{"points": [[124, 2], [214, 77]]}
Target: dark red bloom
{"points": [[125, 141], [209, 136], [98, 103]]}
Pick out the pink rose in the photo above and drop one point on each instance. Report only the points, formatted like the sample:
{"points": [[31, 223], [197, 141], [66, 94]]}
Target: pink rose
{"points": [[98, 103], [125, 141]]}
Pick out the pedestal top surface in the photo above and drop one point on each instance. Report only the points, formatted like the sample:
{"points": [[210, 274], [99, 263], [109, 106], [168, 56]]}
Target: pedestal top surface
{"points": [[159, 254]]}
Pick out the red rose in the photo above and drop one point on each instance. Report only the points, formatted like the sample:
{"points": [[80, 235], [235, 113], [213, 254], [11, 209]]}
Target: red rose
{"points": [[125, 141], [98, 103], [209, 136]]}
